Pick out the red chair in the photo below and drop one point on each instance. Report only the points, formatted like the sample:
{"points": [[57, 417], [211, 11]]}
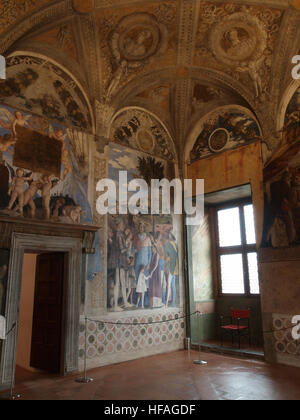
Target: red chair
{"points": [[239, 325]]}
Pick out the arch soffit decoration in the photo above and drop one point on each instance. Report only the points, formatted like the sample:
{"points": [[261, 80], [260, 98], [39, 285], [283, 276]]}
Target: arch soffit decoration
{"points": [[42, 16], [57, 56], [288, 41], [286, 98], [65, 8], [66, 71], [171, 144], [196, 129], [168, 75]]}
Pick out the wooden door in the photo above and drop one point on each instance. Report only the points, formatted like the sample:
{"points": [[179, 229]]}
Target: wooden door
{"points": [[47, 317]]}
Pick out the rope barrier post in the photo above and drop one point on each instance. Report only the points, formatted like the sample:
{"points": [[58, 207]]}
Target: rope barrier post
{"points": [[199, 362], [12, 396], [85, 379]]}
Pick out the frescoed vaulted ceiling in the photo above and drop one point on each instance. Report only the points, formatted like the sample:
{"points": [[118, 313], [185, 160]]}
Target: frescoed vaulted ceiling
{"points": [[177, 59], [12, 11]]}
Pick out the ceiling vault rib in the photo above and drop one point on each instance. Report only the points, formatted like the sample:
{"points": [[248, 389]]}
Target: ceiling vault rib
{"points": [[189, 11]]}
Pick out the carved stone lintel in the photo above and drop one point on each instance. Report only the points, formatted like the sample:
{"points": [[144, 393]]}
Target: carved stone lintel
{"points": [[10, 225]]}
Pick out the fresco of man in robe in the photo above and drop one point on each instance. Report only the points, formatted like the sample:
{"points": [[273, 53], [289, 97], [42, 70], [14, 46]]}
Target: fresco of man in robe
{"points": [[171, 267], [143, 255]]}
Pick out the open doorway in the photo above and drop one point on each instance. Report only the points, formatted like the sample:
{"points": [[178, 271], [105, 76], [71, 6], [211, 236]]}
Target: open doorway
{"points": [[41, 315], [223, 275]]}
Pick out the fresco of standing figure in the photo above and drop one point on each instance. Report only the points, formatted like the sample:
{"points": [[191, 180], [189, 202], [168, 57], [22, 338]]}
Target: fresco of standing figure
{"points": [[121, 272], [155, 285]]}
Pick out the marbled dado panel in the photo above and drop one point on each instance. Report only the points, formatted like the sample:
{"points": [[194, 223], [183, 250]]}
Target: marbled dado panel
{"points": [[106, 339], [284, 342]]}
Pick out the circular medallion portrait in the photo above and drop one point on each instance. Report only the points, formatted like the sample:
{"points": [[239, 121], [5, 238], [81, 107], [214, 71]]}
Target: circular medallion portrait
{"points": [[137, 38], [237, 43], [218, 140], [238, 38], [139, 42]]}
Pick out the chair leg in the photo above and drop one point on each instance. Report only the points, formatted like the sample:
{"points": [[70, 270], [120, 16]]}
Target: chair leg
{"points": [[232, 338], [221, 337], [239, 340]]}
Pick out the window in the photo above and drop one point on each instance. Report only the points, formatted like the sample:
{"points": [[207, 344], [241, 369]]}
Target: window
{"points": [[236, 250]]}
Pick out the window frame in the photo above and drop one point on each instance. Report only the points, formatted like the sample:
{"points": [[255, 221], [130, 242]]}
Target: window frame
{"points": [[243, 249]]}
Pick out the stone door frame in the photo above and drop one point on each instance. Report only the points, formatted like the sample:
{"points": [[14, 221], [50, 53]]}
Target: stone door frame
{"points": [[72, 247]]}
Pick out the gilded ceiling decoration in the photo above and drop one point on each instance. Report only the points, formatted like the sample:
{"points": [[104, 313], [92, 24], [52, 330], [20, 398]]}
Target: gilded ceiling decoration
{"points": [[240, 41], [296, 4], [203, 94], [14, 10], [133, 42], [83, 6], [159, 95], [179, 59], [61, 37]]}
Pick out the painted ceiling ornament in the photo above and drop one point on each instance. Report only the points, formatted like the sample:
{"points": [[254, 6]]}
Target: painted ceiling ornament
{"points": [[239, 41], [218, 140], [146, 140], [225, 129], [13, 10], [82, 6], [296, 4], [39, 86], [140, 130], [104, 114], [137, 38]]}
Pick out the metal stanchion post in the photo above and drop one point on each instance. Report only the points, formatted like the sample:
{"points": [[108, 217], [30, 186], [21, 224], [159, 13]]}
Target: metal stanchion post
{"points": [[12, 396], [85, 379], [188, 346], [199, 362]]}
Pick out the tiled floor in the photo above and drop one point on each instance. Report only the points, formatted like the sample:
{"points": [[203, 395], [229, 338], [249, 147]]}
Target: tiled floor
{"points": [[170, 377]]}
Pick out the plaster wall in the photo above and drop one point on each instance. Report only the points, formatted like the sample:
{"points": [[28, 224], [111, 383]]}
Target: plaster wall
{"points": [[221, 172]]}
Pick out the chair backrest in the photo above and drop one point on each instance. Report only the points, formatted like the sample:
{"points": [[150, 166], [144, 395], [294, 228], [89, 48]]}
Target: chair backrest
{"points": [[242, 314]]}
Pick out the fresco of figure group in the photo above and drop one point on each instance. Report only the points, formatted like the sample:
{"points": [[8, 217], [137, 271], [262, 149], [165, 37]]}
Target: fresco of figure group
{"points": [[142, 250]]}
